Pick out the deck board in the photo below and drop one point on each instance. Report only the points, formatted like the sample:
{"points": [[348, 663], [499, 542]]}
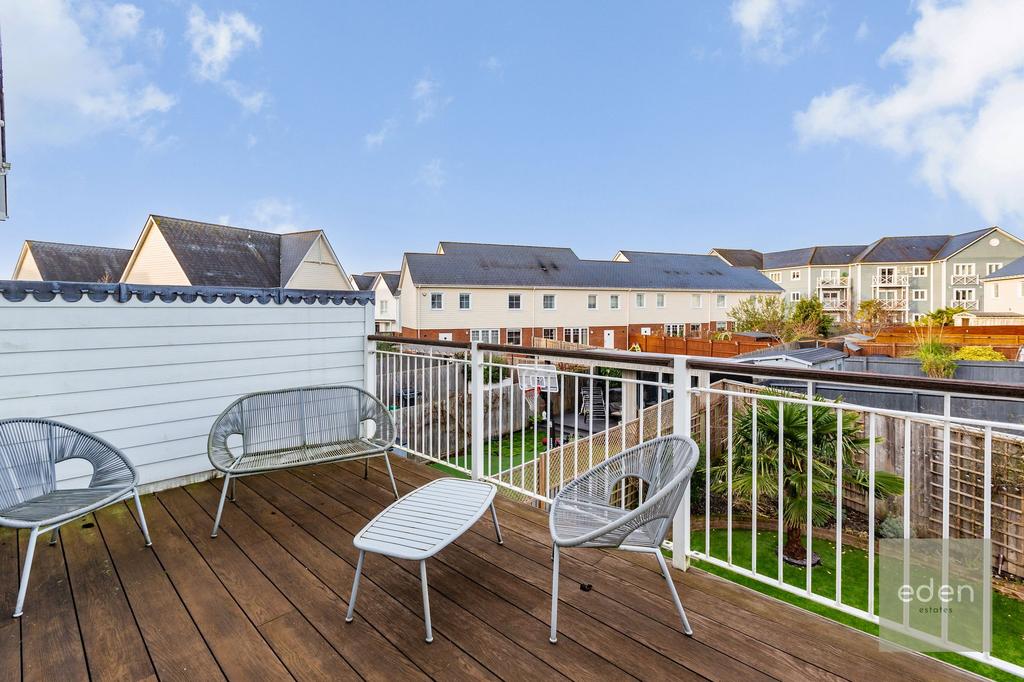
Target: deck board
{"points": [[267, 600]]}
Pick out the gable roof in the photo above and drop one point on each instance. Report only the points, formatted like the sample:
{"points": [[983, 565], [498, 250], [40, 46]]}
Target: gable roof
{"points": [[390, 277], [1012, 269], [294, 247], [364, 282], [559, 267], [743, 258], [78, 263]]}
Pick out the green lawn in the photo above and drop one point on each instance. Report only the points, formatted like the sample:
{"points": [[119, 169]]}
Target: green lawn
{"points": [[514, 450], [1007, 613]]}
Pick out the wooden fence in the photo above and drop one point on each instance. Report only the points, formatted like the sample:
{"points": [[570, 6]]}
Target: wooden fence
{"points": [[679, 345]]}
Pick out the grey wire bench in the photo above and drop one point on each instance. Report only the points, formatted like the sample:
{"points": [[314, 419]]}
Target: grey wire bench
{"points": [[30, 450], [298, 426]]}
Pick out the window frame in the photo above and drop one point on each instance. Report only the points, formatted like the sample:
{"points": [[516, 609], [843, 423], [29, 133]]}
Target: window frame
{"points": [[519, 300], [678, 327], [795, 275], [969, 267], [919, 271], [508, 336], [972, 294], [544, 302], [440, 300], [794, 297], [914, 295], [639, 300], [721, 301], [659, 300], [613, 302], [490, 332], [553, 336], [592, 298], [469, 300], [582, 334], [698, 299], [775, 277], [989, 270]]}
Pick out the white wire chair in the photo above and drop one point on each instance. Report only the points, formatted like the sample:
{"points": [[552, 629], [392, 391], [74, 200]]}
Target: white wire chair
{"points": [[297, 426], [591, 511], [30, 450]]}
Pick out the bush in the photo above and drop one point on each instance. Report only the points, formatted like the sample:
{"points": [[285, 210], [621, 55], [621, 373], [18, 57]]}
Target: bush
{"points": [[983, 353], [936, 359], [891, 527]]}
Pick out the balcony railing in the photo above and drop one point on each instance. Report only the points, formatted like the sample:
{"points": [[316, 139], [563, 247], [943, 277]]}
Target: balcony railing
{"points": [[966, 305], [890, 280], [894, 303], [964, 280], [833, 282], [531, 420], [835, 303]]}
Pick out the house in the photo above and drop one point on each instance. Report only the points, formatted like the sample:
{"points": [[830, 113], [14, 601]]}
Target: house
{"points": [[385, 287], [192, 253], [1004, 289], [53, 261], [912, 276], [515, 294]]}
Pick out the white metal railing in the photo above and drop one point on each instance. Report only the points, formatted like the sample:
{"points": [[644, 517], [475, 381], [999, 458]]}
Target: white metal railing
{"points": [[959, 280], [833, 282], [890, 280], [463, 407]]}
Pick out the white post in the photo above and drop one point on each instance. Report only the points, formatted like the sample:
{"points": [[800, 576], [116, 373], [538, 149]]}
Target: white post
{"points": [[681, 426], [476, 401], [369, 357]]}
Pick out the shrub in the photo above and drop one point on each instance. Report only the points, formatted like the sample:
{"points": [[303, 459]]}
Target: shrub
{"points": [[983, 353], [936, 359], [891, 527]]}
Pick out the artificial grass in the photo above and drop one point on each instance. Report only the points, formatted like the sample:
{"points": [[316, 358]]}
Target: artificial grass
{"points": [[1007, 613]]}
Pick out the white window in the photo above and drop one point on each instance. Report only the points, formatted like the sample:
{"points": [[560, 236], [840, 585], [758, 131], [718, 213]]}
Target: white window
{"points": [[592, 302], [549, 333], [721, 326], [549, 302], [775, 277], [641, 300], [695, 328], [659, 301], [963, 268], [886, 275], [485, 335], [794, 275], [613, 302], [514, 337], [992, 267], [696, 300], [576, 334], [720, 301], [383, 307], [920, 271], [830, 274], [464, 301], [962, 295], [917, 317], [794, 296], [1021, 292], [995, 290], [919, 295], [515, 301], [436, 301], [675, 330]]}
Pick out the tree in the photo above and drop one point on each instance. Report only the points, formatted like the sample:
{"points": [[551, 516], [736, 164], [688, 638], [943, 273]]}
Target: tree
{"points": [[811, 312], [873, 314], [794, 463], [943, 317], [771, 315]]}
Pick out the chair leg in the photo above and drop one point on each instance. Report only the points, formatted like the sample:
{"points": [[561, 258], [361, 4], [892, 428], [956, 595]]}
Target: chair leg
{"points": [[554, 596], [355, 588], [234, 489], [391, 475], [54, 535], [366, 468], [142, 518], [497, 528], [220, 506], [426, 600], [675, 595], [26, 571]]}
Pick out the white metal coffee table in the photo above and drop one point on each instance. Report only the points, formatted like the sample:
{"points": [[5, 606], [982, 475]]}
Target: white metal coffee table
{"points": [[421, 524]]}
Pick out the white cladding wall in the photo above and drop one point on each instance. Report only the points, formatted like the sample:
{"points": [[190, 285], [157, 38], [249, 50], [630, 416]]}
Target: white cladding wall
{"points": [[151, 377], [1004, 296]]}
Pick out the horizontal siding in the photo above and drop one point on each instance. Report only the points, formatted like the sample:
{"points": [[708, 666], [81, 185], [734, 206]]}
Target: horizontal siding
{"points": [[151, 378]]}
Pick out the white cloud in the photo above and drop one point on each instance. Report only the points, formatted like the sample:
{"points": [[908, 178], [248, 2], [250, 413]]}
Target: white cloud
{"points": [[216, 44], [66, 76], [432, 174], [768, 27], [492, 64], [377, 138], [274, 215], [862, 31], [957, 111], [426, 93]]}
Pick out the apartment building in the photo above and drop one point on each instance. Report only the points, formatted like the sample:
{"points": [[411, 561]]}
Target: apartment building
{"points": [[912, 276], [175, 251], [387, 312], [1004, 289], [513, 294]]}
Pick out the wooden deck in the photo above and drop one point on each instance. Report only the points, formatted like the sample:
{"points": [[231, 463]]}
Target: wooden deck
{"points": [[266, 600]]}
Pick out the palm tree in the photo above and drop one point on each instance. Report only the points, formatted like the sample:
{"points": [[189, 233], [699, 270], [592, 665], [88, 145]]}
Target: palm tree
{"points": [[794, 462]]}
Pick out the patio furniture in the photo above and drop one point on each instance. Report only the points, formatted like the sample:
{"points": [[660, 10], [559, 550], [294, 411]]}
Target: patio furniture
{"points": [[30, 450], [298, 426], [420, 525], [586, 513]]}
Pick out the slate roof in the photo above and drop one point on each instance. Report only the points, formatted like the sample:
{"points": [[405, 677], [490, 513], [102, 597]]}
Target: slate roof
{"points": [[364, 282], [743, 258], [557, 267], [1011, 269], [78, 263], [221, 255], [390, 278], [810, 356]]}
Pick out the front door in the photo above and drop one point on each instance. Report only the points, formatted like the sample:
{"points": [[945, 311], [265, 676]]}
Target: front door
{"points": [[609, 338]]}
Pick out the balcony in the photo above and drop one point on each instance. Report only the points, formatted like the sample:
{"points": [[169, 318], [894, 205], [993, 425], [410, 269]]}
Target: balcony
{"points": [[964, 280], [890, 280], [966, 305], [894, 303], [835, 303], [833, 282]]}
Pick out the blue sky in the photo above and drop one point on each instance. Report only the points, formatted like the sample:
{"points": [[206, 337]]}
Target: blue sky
{"points": [[662, 126]]}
